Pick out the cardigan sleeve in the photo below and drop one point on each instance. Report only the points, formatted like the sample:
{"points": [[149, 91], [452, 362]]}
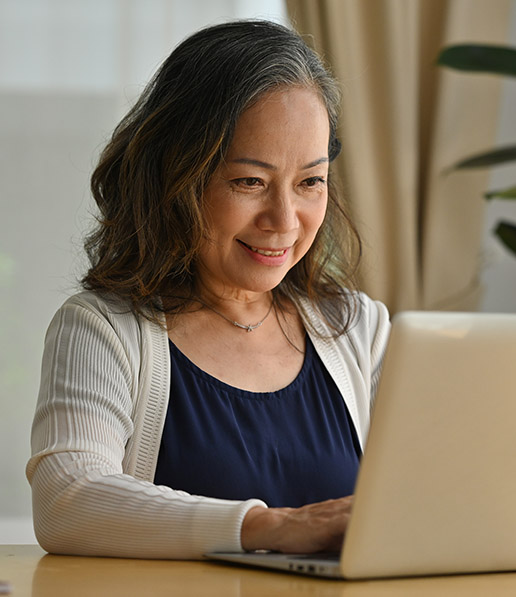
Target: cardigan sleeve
{"points": [[83, 502]]}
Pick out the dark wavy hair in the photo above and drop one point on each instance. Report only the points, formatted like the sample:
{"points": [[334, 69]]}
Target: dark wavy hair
{"points": [[151, 176]]}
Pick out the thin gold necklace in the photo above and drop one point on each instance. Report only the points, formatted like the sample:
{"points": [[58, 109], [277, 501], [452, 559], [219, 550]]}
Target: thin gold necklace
{"points": [[248, 328]]}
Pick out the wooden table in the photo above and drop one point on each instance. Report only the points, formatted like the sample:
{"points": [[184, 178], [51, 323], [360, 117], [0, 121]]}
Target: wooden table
{"points": [[33, 573]]}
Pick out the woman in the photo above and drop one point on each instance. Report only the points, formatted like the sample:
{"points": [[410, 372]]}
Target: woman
{"points": [[211, 388]]}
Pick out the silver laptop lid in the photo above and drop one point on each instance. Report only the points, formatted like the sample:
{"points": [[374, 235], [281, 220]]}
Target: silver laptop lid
{"points": [[436, 492]]}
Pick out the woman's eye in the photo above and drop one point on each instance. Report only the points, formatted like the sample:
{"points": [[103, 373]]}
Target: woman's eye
{"points": [[314, 181], [250, 181]]}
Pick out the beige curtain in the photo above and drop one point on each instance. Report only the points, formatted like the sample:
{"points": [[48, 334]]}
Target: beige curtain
{"points": [[404, 121]]}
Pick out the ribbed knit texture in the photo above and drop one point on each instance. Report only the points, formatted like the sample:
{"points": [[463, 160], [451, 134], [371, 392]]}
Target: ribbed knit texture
{"points": [[98, 424]]}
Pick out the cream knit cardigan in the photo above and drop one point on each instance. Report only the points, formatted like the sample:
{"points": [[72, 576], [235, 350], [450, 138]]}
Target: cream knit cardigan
{"points": [[98, 424]]}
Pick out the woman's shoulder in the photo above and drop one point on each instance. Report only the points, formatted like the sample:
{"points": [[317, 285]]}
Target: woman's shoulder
{"points": [[93, 321], [371, 312], [104, 314], [104, 305], [367, 333], [93, 301], [372, 324], [361, 311]]}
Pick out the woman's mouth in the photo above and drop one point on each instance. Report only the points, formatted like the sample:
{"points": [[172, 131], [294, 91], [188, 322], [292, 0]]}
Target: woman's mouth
{"points": [[265, 252]]}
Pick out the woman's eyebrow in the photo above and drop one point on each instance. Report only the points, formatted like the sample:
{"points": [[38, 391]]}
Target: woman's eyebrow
{"points": [[253, 162], [268, 166], [322, 160]]}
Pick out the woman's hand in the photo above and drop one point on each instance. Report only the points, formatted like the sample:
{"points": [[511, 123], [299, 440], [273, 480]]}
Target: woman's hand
{"points": [[309, 529]]}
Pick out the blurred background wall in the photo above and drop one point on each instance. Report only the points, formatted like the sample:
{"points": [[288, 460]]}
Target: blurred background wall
{"points": [[69, 69]]}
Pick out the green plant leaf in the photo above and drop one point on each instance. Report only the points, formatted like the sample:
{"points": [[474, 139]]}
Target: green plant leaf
{"points": [[509, 193], [499, 60], [506, 232], [487, 159]]}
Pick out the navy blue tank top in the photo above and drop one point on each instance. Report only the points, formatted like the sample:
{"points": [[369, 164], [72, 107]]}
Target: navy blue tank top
{"points": [[291, 447]]}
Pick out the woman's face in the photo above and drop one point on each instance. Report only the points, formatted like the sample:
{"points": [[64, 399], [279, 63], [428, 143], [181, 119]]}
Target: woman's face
{"points": [[266, 202]]}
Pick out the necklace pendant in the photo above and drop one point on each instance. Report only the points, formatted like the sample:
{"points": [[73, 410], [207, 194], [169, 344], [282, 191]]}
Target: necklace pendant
{"points": [[249, 327]]}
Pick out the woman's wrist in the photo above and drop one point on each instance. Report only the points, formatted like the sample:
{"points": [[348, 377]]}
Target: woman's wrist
{"points": [[258, 527]]}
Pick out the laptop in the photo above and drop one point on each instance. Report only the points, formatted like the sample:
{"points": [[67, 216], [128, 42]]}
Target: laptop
{"points": [[436, 491]]}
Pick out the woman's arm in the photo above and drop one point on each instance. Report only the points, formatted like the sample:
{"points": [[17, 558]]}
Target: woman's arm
{"points": [[83, 502], [82, 507]]}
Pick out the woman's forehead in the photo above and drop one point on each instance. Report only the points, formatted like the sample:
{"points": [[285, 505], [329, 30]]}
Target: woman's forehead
{"points": [[293, 119]]}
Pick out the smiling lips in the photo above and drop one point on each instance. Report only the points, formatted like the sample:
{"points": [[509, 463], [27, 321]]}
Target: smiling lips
{"points": [[265, 252]]}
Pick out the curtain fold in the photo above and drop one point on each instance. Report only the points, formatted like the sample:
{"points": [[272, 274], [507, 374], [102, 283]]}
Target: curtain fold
{"points": [[404, 121]]}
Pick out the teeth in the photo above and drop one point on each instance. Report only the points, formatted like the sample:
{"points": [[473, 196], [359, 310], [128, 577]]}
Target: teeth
{"points": [[267, 253], [264, 252]]}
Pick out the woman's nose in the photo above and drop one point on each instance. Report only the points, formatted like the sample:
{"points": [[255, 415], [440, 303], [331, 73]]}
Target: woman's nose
{"points": [[279, 214]]}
